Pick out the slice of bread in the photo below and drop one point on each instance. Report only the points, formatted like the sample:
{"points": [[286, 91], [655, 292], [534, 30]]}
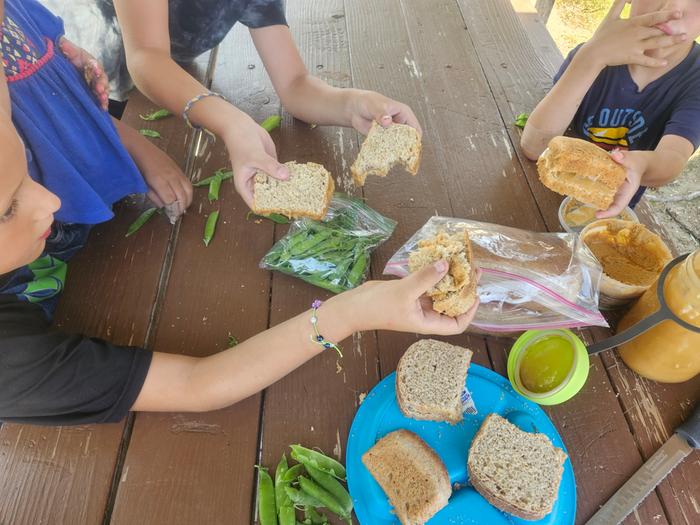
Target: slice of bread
{"points": [[581, 169], [516, 471], [430, 378], [384, 148], [307, 192], [455, 293], [411, 474]]}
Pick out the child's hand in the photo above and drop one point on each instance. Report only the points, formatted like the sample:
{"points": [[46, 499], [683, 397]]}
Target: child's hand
{"points": [[251, 149], [402, 305], [92, 70], [167, 185], [366, 106], [624, 41], [635, 163]]}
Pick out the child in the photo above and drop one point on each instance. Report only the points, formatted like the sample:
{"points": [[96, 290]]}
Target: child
{"points": [[48, 377], [633, 88], [159, 32]]}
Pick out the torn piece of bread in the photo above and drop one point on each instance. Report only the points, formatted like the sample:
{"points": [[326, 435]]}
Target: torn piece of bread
{"points": [[516, 471], [307, 192], [430, 378], [581, 169], [384, 148], [455, 293], [412, 475]]}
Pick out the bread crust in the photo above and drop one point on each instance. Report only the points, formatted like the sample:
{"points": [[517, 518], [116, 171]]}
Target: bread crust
{"points": [[584, 161], [296, 215]]}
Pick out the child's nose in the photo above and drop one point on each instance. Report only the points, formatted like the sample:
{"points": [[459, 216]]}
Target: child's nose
{"points": [[47, 203]]}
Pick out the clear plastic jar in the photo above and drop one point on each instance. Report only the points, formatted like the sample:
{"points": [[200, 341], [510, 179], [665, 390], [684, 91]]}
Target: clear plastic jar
{"points": [[668, 352]]}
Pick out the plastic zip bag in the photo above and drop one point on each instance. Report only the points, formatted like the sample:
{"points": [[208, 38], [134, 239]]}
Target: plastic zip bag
{"points": [[528, 280], [334, 253]]}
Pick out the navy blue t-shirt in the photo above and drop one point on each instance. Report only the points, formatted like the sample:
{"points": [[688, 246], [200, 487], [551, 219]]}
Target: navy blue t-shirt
{"points": [[615, 114]]}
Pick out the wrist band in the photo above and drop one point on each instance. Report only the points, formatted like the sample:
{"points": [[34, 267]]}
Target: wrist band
{"points": [[318, 338], [192, 102]]}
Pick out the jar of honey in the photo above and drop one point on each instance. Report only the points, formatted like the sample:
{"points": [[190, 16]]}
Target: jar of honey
{"points": [[668, 352]]}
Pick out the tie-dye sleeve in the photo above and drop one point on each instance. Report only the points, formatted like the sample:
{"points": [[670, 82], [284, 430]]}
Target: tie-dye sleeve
{"points": [[263, 13]]}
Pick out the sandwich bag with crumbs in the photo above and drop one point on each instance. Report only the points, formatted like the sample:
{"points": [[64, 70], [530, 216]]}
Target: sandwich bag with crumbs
{"points": [[528, 280]]}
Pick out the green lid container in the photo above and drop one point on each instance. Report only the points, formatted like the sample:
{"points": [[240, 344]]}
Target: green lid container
{"points": [[529, 345]]}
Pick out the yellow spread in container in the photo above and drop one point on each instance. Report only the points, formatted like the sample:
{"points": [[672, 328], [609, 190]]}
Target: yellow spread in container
{"points": [[577, 214], [546, 363], [631, 254]]}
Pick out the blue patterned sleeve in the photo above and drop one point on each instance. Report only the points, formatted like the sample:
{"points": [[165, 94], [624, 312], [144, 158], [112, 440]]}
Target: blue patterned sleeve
{"points": [[263, 13], [48, 23]]}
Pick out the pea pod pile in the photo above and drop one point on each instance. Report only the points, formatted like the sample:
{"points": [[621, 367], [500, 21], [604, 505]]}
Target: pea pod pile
{"points": [[335, 253], [311, 484]]}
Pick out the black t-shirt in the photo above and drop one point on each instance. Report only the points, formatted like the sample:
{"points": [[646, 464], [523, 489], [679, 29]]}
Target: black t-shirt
{"points": [[50, 378]]}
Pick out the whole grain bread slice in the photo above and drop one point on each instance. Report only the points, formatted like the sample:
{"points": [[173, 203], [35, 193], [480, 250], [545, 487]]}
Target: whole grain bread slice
{"points": [[383, 148], [579, 168], [455, 293], [412, 475], [516, 471], [430, 378], [307, 192]]}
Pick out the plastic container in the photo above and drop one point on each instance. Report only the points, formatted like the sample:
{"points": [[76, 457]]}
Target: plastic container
{"points": [[574, 216], [532, 352], [615, 293], [668, 352]]}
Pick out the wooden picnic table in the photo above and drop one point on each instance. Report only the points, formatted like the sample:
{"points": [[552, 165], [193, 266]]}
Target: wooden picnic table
{"points": [[467, 68]]}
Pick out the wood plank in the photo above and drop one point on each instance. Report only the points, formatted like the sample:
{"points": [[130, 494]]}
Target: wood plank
{"points": [[534, 22], [198, 468], [63, 474], [297, 408]]}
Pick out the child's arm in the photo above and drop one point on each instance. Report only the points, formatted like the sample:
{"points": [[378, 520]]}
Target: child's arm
{"points": [[311, 99], [616, 42], [649, 168], [167, 185], [179, 383]]}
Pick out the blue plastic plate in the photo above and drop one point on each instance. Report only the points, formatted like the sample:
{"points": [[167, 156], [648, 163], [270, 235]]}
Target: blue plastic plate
{"points": [[379, 414]]}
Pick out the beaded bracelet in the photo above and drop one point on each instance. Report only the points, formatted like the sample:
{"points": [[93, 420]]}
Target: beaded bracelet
{"points": [[192, 102], [318, 338]]}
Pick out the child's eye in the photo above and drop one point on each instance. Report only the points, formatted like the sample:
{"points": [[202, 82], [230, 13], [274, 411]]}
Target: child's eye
{"points": [[10, 211]]}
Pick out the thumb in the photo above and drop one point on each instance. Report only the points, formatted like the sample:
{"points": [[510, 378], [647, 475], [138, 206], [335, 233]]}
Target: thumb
{"points": [[619, 156], [272, 167], [423, 280]]}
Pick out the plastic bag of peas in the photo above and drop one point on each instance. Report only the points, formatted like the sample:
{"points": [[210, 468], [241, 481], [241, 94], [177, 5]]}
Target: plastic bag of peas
{"points": [[333, 253]]}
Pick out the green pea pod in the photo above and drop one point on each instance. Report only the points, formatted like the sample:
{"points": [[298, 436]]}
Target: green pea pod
{"points": [[267, 513], [271, 123], [276, 217], [358, 270], [281, 497], [140, 221], [210, 227], [293, 473], [333, 486], [214, 187], [224, 175], [314, 517], [287, 516], [156, 115], [326, 498], [306, 456], [521, 120], [301, 498], [152, 133]]}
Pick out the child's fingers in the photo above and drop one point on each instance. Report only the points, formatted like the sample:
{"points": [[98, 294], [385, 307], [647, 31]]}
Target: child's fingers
{"points": [[662, 41], [616, 10], [272, 167], [155, 199], [657, 17], [423, 280], [641, 59]]}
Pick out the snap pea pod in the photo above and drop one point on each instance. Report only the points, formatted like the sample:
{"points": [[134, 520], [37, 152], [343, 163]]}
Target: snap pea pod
{"points": [[314, 517], [307, 456], [214, 187], [152, 133], [326, 498], [281, 497], [267, 512], [224, 175], [333, 487], [293, 473], [301, 498], [358, 269], [140, 221], [271, 123], [521, 120], [156, 115], [210, 227]]}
